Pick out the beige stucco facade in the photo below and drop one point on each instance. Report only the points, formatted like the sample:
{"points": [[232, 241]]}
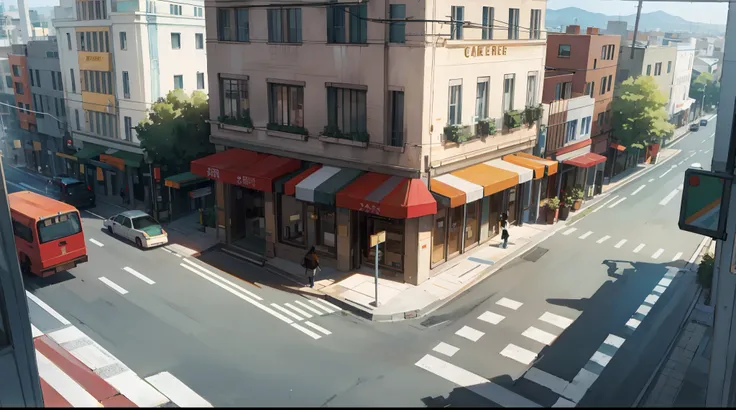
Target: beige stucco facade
{"points": [[422, 67]]}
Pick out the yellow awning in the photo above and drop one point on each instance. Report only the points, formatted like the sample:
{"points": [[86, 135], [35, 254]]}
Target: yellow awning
{"points": [[67, 156]]}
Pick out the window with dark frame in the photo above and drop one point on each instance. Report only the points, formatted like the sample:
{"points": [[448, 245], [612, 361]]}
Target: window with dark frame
{"points": [[242, 25], [563, 50], [176, 41], [347, 24], [455, 103], [285, 25], [286, 105], [234, 98], [610, 81], [457, 14], [200, 81], [397, 118], [397, 30], [513, 24], [488, 23], [481, 98], [199, 41], [223, 25], [126, 85], [347, 110]]}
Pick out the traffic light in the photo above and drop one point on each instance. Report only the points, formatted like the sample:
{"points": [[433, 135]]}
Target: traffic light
{"points": [[69, 143]]}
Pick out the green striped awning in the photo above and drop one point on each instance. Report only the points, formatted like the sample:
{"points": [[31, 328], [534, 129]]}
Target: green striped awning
{"points": [[185, 178], [321, 186], [90, 151]]}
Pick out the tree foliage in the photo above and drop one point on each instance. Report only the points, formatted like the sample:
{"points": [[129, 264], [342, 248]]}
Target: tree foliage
{"points": [[639, 112], [176, 130], [704, 84]]}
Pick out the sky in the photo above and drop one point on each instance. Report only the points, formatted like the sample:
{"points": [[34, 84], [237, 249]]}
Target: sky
{"points": [[698, 12]]}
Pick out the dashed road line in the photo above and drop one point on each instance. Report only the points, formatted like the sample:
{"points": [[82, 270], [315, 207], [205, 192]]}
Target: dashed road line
{"points": [[669, 197], [638, 248], [113, 285], [616, 203], [569, 231], [677, 256], [603, 239], [620, 244], [96, 242], [658, 253], [585, 235], [638, 190], [139, 275]]}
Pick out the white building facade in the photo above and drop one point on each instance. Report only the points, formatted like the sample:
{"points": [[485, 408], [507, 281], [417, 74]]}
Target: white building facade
{"points": [[118, 58], [680, 101]]}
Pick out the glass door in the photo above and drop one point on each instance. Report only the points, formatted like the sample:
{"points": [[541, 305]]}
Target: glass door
{"points": [[472, 219], [512, 204], [455, 231], [496, 204], [439, 237]]}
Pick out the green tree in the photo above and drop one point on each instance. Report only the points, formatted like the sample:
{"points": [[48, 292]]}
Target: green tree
{"points": [[699, 86], [712, 94], [639, 112], [176, 130]]}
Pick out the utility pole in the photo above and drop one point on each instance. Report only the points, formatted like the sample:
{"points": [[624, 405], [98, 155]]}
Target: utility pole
{"points": [[636, 29]]}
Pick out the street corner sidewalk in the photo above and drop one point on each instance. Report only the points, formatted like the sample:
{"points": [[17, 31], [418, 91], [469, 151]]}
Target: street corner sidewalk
{"points": [[186, 237], [398, 301]]}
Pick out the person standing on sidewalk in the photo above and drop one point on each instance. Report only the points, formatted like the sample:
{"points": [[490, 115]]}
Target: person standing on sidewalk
{"points": [[311, 265], [504, 230]]}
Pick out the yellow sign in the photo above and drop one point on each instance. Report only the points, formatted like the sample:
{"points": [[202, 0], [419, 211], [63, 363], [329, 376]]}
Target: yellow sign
{"points": [[485, 51], [118, 163], [81, 169], [37, 146], [378, 238], [94, 58], [16, 144], [100, 174]]}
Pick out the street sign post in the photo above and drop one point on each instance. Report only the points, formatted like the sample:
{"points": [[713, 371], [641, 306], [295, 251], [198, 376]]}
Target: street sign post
{"points": [[704, 195], [376, 240]]}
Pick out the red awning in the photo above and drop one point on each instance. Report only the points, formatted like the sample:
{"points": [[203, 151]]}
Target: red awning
{"points": [[618, 146], [586, 160], [290, 185], [244, 168], [389, 196]]}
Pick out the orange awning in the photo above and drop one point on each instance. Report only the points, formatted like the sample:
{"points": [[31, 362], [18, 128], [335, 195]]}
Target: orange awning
{"points": [[389, 196], [618, 146], [538, 168], [453, 197], [472, 183], [550, 165], [492, 179]]}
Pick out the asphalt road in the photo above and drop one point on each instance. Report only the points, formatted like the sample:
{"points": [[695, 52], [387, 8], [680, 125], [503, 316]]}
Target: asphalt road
{"points": [[230, 341]]}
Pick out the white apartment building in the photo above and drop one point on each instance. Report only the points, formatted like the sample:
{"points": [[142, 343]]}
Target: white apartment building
{"points": [[117, 58], [680, 101]]}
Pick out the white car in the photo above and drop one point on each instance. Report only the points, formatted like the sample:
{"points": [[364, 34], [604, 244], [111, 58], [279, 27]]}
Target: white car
{"points": [[138, 227]]}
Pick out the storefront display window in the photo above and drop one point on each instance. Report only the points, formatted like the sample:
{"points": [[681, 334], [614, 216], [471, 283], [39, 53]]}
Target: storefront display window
{"points": [[291, 218], [455, 231], [323, 223], [392, 251], [439, 234], [494, 214], [472, 219], [512, 205]]}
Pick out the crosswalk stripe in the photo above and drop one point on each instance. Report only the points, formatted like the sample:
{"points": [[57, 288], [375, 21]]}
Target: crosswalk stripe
{"points": [[306, 331], [677, 256], [329, 305], [287, 311], [297, 310], [620, 244], [585, 235], [638, 248], [446, 349], [492, 318], [658, 253], [311, 309], [178, 392], [321, 306], [556, 320], [318, 328], [569, 231], [547, 380], [470, 333], [539, 335], [603, 239], [509, 303], [519, 354]]}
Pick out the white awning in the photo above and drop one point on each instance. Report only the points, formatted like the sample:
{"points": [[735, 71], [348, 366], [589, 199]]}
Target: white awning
{"points": [[525, 174]]}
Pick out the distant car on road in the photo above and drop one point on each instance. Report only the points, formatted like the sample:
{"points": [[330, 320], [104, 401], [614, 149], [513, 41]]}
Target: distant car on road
{"points": [[694, 126], [704, 122], [696, 165], [138, 227], [71, 191]]}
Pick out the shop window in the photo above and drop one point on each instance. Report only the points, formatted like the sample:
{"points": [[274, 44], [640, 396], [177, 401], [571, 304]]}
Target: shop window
{"points": [[291, 218], [454, 231], [472, 223], [391, 256], [439, 234], [325, 229], [234, 96], [494, 214], [242, 24]]}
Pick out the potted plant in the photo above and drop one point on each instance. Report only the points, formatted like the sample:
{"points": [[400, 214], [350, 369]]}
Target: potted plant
{"points": [[553, 208], [512, 119], [565, 204], [576, 197]]}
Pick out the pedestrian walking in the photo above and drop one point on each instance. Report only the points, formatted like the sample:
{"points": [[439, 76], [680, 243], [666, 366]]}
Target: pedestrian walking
{"points": [[504, 230], [311, 265]]}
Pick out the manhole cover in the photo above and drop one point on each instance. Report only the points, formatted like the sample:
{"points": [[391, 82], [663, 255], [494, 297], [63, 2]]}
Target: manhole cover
{"points": [[534, 254]]}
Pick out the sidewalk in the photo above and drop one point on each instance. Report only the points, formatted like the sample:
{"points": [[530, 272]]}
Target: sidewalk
{"points": [[682, 379], [187, 238]]}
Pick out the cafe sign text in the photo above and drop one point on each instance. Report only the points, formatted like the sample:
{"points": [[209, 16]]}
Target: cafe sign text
{"points": [[485, 51]]}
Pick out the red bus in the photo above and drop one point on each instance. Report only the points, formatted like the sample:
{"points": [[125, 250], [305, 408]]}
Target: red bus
{"points": [[48, 234]]}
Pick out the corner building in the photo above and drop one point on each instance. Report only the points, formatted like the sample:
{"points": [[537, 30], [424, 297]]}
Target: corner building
{"points": [[333, 124]]}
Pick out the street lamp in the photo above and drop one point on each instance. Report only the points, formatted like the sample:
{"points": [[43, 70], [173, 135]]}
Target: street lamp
{"points": [[149, 161]]}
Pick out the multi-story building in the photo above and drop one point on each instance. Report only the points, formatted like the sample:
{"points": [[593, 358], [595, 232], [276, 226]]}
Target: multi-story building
{"points": [[593, 58], [569, 120], [344, 126], [655, 61], [8, 112], [117, 58], [680, 101], [27, 136]]}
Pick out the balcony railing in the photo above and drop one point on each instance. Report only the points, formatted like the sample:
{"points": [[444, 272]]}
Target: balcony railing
{"points": [[458, 133], [335, 132]]}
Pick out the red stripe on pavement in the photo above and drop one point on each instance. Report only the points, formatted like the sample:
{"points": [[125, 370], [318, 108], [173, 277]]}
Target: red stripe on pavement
{"points": [[52, 398], [78, 371], [118, 401]]}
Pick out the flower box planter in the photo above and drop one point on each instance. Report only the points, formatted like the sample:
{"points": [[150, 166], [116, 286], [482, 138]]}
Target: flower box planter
{"points": [[552, 215], [335, 136], [564, 212], [512, 119]]}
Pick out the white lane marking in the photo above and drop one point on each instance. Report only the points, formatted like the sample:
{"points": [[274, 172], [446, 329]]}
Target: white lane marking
{"points": [[658, 253], [603, 239], [26, 186], [547, 380], [178, 392], [171, 252], [563, 402], [569, 231], [306, 331], [113, 285], [238, 294], [47, 308], [556, 320], [665, 282], [35, 332], [638, 248], [329, 305], [601, 358], [539, 335], [96, 242], [287, 311], [605, 203], [471, 381], [519, 354], [681, 162], [323, 307], [677, 256], [222, 280], [508, 303], [309, 308], [706, 151], [585, 235], [297, 310], [63, 384], [583, 380], [680, 187], [470, 333], [651, 299], [643, 310], [616, 203], [671, 273], [137, 390], [492, 318], [94, 214], [633, 323], [139, 275], [615, 341], [665, 173], [659, 289], [445, 349], [638, 190], [318, 328], [669, 197], [620, 243], [651, 179]]}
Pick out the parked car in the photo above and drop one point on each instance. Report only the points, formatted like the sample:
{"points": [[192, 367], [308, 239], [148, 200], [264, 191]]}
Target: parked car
{"points": [[137, 227], [704, 122], [71, 191], [694, 126]]}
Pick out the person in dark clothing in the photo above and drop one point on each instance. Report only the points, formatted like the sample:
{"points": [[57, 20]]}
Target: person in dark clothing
{"points": [[311, 265], [504, 230]]}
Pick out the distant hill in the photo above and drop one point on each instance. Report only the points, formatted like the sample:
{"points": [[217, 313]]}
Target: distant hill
{"points": [[657, 20]]}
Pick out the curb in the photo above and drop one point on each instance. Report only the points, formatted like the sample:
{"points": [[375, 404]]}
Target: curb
{"points": [[646, 390]]}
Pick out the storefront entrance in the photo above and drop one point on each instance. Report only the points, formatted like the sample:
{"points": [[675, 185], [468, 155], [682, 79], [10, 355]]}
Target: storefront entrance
{"points": [[248, 219]]}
